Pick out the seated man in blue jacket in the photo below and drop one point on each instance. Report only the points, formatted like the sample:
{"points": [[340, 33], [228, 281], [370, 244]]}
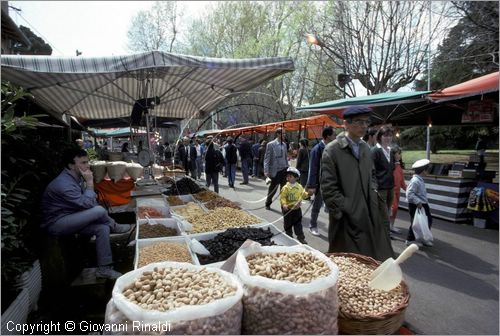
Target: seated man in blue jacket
{"points": [[69, 206]]}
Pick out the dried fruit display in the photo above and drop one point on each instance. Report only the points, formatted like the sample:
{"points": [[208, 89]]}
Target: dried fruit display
{"points": [[224, 244], [298, 267], [155, 231], [221, 202], [220, 219], [184, 186], [190, 210], [164, 251], [175, 200], [144, 212], [206, 195], [356, 297]]}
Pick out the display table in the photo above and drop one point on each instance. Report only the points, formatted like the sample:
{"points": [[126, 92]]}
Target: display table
{"points": [[448, 196]]}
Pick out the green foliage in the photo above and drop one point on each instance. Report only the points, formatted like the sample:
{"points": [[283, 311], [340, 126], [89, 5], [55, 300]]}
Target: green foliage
{"points": [[28, 164], [38, 45], [470, 48], [447, 137]]}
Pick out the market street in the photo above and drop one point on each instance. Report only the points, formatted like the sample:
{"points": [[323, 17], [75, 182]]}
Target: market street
{"points": [[453, 285]]}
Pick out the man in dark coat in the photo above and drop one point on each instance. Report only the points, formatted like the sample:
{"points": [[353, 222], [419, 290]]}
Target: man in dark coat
{"points": [[187, 155], [350, 193]]}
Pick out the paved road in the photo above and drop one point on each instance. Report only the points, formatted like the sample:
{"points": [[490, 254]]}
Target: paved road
{"points": [[453, 285]]}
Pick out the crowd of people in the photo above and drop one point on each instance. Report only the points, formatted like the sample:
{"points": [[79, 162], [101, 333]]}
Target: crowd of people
{"points": [[356, 175]]}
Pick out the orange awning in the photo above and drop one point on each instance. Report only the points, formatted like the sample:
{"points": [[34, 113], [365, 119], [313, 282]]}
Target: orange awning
{"points": [[473, 87], [288, 125]]}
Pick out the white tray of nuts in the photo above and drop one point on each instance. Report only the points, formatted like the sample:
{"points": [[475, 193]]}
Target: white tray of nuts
{"points": [[151, 210], [153, 250], [168, 229], [220, 219]]}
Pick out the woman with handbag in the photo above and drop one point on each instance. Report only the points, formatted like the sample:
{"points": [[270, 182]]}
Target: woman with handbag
{"points": [[416, 195]]}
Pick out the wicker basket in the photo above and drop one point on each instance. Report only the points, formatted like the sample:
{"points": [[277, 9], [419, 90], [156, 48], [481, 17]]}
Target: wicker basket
{"points": [[383, 324]]}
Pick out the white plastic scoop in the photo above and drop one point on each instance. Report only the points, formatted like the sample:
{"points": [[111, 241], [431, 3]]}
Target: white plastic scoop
{"points": [[198, 247], [388, 275]]}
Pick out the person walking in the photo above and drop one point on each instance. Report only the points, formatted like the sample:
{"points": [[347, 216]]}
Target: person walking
{"points": [[383, 163], [255, 158], [231, 159], [168, 153], [416, 195], [313, 180], [291, 196], [262, 153], [303, 161], [275, 165], [399, 183], [199, 158], [187, 155], [245, 150], [349, 192]]}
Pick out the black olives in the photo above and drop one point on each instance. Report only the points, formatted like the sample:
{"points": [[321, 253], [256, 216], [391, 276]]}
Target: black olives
{"points": [[224, 244]]}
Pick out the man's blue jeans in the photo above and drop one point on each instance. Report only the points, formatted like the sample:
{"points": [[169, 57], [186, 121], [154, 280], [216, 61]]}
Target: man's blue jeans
{"points": [[255, 168], [90, 222], [245, 166], [316, 207], [231, 174], [199, 166]]}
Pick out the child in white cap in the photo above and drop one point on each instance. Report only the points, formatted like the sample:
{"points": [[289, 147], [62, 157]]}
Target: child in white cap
{"points": [[416, 195], [290, 198]]}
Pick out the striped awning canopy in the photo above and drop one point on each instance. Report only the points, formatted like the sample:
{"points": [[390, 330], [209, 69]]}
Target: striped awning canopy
{"points": [[103, 88]]}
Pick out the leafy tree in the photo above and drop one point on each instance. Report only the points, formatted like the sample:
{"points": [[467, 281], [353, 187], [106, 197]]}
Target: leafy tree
{"points": [[155, 29], [38, 45], [382, 44], [470, 49], [261, 29]]}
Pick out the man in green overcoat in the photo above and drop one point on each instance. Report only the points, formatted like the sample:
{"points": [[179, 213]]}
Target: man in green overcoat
{"points": [[355, 222]]}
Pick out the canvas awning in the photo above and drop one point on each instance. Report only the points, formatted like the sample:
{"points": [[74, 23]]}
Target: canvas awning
{"points": [[288, 125], [117, 132], [106, 88], [337, 107], [477, 86]]}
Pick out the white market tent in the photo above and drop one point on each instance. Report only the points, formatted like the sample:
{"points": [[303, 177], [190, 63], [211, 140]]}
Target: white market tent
{"points": [[104, 90]]}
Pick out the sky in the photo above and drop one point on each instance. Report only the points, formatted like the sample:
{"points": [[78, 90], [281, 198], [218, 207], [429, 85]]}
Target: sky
{"points": [[96, 28]]}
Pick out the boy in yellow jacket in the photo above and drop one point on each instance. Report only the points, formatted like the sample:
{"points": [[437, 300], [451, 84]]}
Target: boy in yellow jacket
{"points": [[290, 197]]}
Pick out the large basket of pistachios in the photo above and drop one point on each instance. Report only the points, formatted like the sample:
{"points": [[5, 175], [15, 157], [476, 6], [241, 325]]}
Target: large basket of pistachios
{"points": [[364, 310]]}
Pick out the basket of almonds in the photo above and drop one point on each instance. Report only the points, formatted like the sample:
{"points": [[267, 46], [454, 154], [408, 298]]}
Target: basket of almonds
{"points": [[362, 309]]}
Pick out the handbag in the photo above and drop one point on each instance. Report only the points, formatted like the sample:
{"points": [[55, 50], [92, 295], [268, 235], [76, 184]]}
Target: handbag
{"points": [[420, 226]]}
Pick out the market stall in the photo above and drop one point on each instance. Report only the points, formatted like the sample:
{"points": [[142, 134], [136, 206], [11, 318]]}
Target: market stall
{"points": [[473, 102], [311, 126]]}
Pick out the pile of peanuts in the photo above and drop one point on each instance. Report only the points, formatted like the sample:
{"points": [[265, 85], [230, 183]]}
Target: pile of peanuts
{"points": [[190, 210], [206, 195], [220, 219], [273, 312], [175, 200], [168, 288], [164, 251], [298, 267], [221, 202], [356, 297], [155, 230]]}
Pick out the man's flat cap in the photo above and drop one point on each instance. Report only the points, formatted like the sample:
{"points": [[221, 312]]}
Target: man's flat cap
{"points": [[353, 111]]}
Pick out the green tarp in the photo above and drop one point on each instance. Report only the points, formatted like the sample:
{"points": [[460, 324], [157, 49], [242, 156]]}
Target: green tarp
{"points": [[380, 99]]}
